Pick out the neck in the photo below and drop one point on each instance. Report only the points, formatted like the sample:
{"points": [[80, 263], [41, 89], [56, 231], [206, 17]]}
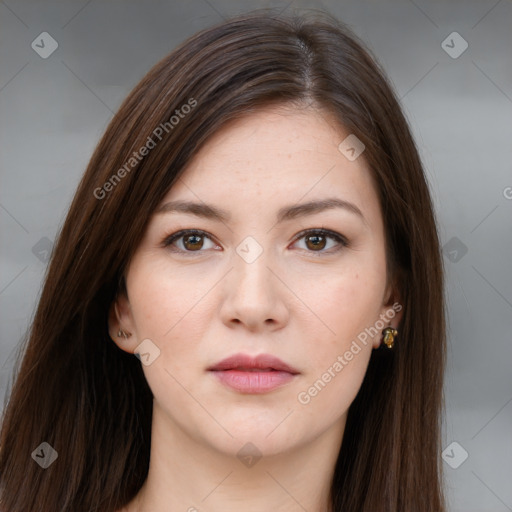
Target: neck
{"points": [[187, 474]]}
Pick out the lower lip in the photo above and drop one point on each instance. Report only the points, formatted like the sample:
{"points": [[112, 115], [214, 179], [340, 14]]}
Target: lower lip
{"points": [[253, 382]]}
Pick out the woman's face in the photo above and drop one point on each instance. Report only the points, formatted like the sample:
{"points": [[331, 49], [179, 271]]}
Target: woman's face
{"points": [[257, 277]]}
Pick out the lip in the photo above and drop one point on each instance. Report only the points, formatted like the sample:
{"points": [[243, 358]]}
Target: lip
{"points": [[253, 375]]}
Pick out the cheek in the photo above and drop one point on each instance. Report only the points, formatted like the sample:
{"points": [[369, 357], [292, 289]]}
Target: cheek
{"points": [[337, 366], [338, 360], [346, 303], [167, 309], [174, 310], [163, 300]]}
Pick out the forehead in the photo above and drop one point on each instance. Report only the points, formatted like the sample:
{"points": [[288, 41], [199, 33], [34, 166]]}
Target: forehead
{"points": [[273, 156]]}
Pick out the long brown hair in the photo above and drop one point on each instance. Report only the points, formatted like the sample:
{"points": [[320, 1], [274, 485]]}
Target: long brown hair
{"points": [[77, 391]]}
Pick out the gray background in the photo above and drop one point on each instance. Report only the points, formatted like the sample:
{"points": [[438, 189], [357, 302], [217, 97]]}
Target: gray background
{"points": [[54, 110]]}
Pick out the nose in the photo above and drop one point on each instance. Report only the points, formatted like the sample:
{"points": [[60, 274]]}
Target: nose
{"points": [[255, 296]]}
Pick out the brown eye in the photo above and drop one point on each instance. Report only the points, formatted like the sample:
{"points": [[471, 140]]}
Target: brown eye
{"points": [[322, 241], [189, 241], [193, 242], [315, 242]]}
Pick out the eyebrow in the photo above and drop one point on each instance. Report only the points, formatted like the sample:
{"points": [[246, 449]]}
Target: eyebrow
{"points": [[285, 213]]}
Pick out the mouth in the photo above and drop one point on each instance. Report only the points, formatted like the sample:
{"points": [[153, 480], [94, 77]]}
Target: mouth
{"points": [[253, 375], [241, 369]]}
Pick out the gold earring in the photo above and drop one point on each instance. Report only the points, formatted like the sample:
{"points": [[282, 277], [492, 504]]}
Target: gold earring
{"points": [[120, 332], [389, 336]]}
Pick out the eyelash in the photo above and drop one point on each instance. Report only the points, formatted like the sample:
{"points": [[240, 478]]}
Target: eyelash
{"points": [[340, 239]]}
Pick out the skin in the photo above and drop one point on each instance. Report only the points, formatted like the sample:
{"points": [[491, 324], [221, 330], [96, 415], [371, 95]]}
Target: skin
{"points": [[303, 303]]}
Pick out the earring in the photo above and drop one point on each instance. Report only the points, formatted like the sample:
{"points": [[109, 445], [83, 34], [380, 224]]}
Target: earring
{"points": [[389, 336], [120, 332]]}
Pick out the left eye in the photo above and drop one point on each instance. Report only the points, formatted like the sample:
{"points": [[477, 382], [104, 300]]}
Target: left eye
{"points": [[316, 240]]}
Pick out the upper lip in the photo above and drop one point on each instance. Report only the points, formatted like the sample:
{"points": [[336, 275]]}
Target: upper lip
{"points": [[247, 362]]}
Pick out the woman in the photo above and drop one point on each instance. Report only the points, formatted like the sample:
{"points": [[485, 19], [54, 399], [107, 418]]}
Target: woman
{"points": [[256, 228]]}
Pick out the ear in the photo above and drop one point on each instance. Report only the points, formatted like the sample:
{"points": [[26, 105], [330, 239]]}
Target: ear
{"points": [[120, 318], [391, 312]]}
